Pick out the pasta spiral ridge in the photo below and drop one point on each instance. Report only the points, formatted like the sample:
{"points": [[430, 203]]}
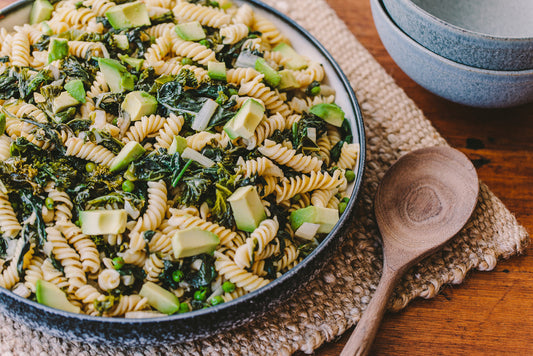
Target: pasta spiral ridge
{"points": [[144, 127], [261, 166], [348, 156], [171, 128], [306, 183], [9, 225], [195, 51], [290, 255], [83, 244], [288, 157], [188, 221], [153, 267], [271, 98], [255, 244], [243, 279], [53, 275], [205, 15], [33, 273], [233, 33], [89, 151]]}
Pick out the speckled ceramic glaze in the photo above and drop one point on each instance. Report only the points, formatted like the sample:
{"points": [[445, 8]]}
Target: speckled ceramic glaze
{"points": [[450, 80], [488, 34], [201, 323]]}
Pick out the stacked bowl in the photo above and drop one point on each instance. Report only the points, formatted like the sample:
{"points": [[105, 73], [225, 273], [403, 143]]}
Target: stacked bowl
{"points": [[477, 52]]}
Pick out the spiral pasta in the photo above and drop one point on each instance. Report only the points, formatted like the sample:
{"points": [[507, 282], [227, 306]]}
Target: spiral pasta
{"points": [[348, 156], [108, 279], [195, 51], [290, 256], [153, 267], [207, 16], [268, 30], [233, 33], [155, 212], [270, 98], [89, 151], [9, 224], [255, 244], [243, 279], [261, 166], [84, 246], [302, 184], [288, 157], [144, 127]]}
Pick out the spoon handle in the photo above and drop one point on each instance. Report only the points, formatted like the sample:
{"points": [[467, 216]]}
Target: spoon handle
{"points": [[361, 340]]}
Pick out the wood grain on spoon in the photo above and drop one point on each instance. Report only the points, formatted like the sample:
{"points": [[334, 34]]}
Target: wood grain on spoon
{"points": [[423, 200]]}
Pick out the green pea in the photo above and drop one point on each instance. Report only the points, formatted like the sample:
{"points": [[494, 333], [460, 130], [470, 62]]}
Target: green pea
{"points": [[90, 166], [350, 175], [177, 276], [200, 295], [115, 121], [315, 90], [186, 61], [128, 186], [118, 262], [342, 207], [184, 307], [228, 287], [216, 300], [49, 203], [205, 43], [232, 91]]}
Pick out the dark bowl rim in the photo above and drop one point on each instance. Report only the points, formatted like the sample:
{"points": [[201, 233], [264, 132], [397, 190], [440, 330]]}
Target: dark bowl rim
{"points": [[418, 11], [460, 66], [334, 234]]}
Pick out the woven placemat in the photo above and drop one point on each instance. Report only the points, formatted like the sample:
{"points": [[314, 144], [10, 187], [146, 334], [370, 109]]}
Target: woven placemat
{"points": [[333, 301]]}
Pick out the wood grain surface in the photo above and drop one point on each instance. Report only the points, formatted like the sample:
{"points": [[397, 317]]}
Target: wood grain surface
{"points": [[491, 313]]}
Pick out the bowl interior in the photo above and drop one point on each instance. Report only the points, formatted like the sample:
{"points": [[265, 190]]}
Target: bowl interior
{"points": [[499, 18]]}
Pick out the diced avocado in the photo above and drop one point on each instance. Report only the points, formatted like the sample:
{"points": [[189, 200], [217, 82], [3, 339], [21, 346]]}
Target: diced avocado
{"points": [[63, 101], [216, 70], [330, 113], [230, 130], [287, 80], [138, 104], [179, 144], [40, 11], [122, 42], [49, 294], [76, 89], [247, 118], [116, 75], [190, 31], [248, 211], [135, 63], [292, 59], [272, 77], [102, 222], [47, 30], [132, 14], [160, 298], [193, 241], [326, 217], [57, 49], [129, 153], [225, 4]]}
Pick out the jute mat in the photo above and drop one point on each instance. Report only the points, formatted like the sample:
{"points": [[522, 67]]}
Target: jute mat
{"points": [[333, 301]]}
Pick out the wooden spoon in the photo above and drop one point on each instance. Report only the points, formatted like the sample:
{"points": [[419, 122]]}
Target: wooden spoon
{"points": [[424, 199]]}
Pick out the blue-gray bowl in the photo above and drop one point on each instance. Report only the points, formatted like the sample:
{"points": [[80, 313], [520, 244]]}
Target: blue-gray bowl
{"points": [[487, 34], [201, 323], [451, 80]]}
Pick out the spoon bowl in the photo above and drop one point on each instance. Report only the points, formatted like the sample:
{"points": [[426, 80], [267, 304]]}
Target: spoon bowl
{"points": [[424, 199]]}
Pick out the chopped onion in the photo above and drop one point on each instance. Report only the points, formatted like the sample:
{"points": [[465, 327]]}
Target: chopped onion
{"points": [[39, 98], [99, 118], [55, 71], [128, 279], [197, 264], [311, 133], [131, 210], [307, 231], [198, 157], [204, 115], [246, 60]]}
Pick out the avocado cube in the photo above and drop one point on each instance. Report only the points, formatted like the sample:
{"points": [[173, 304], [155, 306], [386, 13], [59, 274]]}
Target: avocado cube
{"points": [[216, 70], [49, 294], [178, 145], [129, 153], [138, 104], [116, 75], [247, 119], [193, 241], [40, 11], [325, 217], [63, 101], [248, 210], [57, 49], [76, 89], [135, 63], [102, 222], [292, 59], [190, 31], [330, 113], [128, 15], [122, 42], [272, 77], [287, 80], [160, 298], [230, 130]]}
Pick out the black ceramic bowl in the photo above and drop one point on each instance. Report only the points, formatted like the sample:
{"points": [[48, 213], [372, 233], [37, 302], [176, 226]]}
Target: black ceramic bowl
{"points": [[201, 323]]}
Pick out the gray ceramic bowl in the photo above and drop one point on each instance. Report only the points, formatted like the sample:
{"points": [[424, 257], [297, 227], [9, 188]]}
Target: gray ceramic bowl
{"points": [[450, 80], [204, 322], [488, 34]]}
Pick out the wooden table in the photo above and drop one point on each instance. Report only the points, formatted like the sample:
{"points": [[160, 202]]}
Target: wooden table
{"points": [[491, 313]]}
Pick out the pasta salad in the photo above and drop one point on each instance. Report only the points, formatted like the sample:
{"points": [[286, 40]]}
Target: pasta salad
{"points": [[161, 156]]}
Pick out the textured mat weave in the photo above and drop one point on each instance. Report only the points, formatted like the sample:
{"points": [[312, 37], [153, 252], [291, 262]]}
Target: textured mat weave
{"points": [[332, 302]]}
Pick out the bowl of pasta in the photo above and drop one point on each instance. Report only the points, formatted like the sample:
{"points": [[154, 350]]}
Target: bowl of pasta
{"points": [[168, 169]]}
